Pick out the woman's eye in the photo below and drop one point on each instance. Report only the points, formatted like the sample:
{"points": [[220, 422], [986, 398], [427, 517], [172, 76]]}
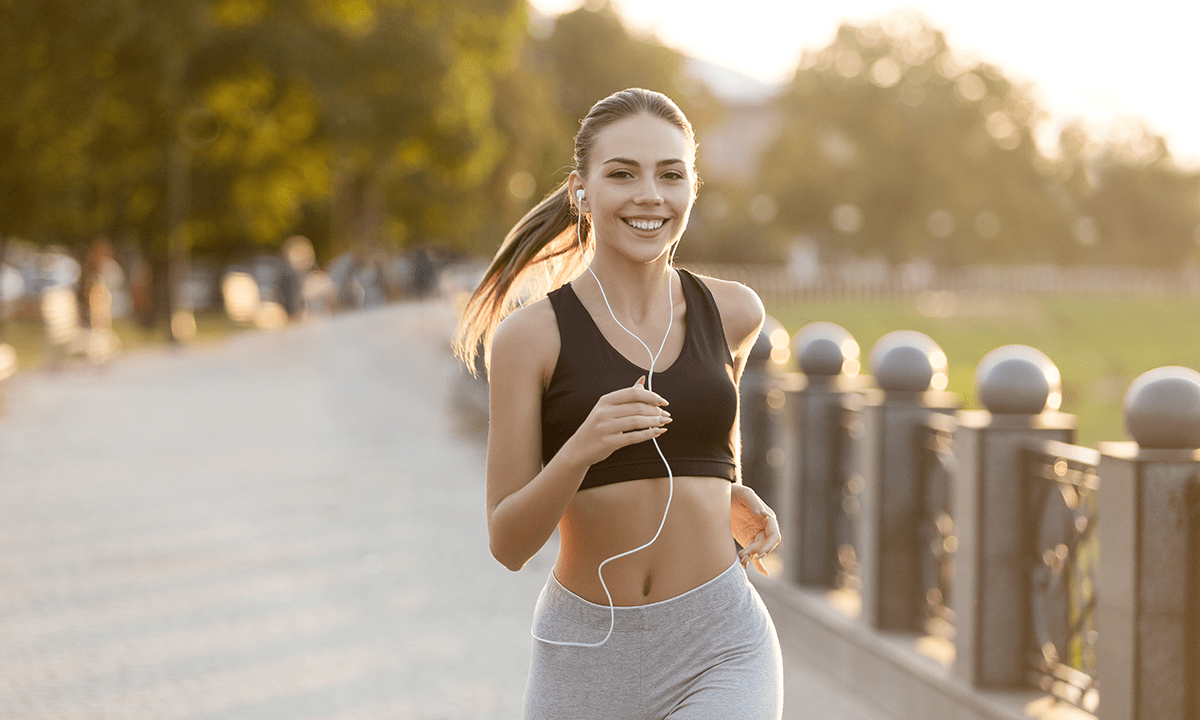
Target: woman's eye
{"points": [[620, 174], [673, 175]]}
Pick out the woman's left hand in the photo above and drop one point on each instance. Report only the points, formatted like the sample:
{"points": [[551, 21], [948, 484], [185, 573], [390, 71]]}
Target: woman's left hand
{"points": [[754, 526]]}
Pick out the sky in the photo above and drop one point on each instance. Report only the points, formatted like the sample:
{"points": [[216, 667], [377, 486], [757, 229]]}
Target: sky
{"points": [[1104, 63]]}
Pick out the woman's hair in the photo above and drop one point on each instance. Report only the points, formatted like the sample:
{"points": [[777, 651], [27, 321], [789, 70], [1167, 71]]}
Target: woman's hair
{"points": [[543, 250]]}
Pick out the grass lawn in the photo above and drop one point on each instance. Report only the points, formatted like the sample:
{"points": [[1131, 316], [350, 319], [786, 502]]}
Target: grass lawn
{"points": [[25, 335], [1100, 343]]}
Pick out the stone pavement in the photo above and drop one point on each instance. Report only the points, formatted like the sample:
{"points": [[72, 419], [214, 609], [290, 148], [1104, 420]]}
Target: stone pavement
{"points": [[280, 526]]}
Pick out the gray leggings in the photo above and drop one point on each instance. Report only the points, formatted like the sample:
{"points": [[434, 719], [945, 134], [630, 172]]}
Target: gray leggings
{"points": [[708, 654]]}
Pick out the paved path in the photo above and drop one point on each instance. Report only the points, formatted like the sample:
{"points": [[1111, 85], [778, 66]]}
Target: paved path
{"points": [[279, 526]]}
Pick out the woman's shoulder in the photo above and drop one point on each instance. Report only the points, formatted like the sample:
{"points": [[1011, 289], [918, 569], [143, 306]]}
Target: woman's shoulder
{"points": [[741, 309], [528, 335]]}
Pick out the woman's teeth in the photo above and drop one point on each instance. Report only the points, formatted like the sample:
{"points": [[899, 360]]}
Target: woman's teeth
{"points": [[646, 224]]}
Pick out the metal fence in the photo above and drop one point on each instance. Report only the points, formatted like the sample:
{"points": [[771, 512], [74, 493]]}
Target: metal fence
{"points": [[1007, 532], [938, 539], [1063, 484]]}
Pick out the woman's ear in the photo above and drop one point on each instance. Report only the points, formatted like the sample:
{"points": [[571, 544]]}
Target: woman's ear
{"points": [[577, 192]]}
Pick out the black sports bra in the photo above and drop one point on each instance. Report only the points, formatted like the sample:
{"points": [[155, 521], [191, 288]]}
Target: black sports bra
{"points": [[699, 386]]}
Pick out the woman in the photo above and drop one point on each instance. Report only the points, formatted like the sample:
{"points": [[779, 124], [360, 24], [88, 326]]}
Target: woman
{"points": [[648, 612]]}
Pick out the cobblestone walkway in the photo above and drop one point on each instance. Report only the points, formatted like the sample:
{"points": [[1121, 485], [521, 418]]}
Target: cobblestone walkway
{"points": [[284, 525]]}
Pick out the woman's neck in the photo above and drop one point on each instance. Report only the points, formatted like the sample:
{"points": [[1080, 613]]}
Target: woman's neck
{"points": [[633, 291]]}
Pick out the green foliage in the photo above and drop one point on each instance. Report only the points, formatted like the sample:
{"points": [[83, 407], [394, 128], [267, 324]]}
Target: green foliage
{"points": [[590, 54], [891, 144], [1147, 210], [392, 101], [388, 123]]}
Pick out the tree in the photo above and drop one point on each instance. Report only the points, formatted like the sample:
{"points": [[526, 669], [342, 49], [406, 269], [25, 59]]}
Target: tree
{"points": [[590, 54], [1146, 210], [248, 116], [891, 144]]}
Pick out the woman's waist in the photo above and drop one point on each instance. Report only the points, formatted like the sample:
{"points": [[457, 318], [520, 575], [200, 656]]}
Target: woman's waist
{"points": [[712, 594], [693, 545]]}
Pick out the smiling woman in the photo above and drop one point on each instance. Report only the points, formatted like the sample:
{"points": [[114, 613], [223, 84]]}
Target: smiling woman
{"points": [[648, 613]]}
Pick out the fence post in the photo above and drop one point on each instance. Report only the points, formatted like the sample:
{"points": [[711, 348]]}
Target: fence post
{"points": [[1148, 607], [762, 401], [1021, 390], [828, 357], [910, 370]]}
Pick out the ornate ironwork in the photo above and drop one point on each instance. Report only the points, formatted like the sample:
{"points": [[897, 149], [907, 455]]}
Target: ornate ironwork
{"points": [[1063, 486], [939, 541], [850, 428]]}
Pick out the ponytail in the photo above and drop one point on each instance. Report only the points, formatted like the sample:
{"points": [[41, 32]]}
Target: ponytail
{"points": [[541, 252]]}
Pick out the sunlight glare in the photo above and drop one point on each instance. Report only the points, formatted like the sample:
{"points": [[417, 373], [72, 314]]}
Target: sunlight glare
{"points": [[869, 34], [846, 218], [240, 294], [1003, 130], [948, 66], [838, 148], [885, 72], [849, 63], [522, 185], [970, 88], [897, 25]]}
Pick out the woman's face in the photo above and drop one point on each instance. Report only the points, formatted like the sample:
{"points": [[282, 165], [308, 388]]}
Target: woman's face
{"points": [[640, 186]]}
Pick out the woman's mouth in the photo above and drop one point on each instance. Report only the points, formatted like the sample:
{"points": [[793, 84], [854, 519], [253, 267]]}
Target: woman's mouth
{"points": [[645, 224]]}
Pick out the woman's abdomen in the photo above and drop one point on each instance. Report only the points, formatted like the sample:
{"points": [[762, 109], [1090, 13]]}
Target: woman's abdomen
{"points": [[695, 544]]}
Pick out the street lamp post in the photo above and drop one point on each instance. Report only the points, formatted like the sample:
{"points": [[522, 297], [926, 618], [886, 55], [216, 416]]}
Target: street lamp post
{"points": [[198, 126]]}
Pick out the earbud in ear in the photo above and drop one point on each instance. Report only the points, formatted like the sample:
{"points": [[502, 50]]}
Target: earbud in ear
{"points": [[579, 194]]}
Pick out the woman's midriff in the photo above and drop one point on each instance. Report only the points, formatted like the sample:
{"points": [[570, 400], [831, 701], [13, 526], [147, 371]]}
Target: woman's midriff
{"points": [[695, 545]]}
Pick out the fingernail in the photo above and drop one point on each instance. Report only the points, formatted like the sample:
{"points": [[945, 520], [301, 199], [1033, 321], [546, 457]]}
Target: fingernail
{"points": [[669, 419]]}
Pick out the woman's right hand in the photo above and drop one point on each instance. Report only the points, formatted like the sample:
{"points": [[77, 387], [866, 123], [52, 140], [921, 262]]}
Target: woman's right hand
{"points": [[622, 417]]}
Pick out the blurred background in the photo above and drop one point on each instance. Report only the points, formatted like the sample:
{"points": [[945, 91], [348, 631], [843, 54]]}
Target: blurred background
{"points": [[182, 171], [264, 526]]}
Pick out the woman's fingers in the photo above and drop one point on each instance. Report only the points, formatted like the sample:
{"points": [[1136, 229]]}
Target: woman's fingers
{"points": [[637, 409], [630, 423], [637, 393], [755, 552], [774, 536]]}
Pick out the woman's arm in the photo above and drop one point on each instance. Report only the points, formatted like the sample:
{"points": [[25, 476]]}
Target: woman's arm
{"points": [[525, 500], [752, 523]]}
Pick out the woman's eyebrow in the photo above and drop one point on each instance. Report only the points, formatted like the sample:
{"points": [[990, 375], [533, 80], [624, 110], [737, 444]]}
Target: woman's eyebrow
{"points": [[627, 161]]}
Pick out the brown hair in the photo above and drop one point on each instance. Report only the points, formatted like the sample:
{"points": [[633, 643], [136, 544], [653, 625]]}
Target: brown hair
{"points": [[543, 251]]}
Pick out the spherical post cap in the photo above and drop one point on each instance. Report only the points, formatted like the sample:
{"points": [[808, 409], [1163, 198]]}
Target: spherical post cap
{"points": [[1018, 380], [1162, 409], [908, 361], [762, 353], [825, 349]]}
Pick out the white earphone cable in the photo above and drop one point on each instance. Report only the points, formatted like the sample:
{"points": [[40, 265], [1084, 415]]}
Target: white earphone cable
{"points": [[670, 476]]}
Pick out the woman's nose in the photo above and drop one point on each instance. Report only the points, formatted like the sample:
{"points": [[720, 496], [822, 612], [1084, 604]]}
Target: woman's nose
{"points": [[649, 192]]}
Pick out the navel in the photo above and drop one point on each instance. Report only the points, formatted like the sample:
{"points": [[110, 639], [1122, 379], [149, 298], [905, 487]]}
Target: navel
{"points": [[646, 587]]}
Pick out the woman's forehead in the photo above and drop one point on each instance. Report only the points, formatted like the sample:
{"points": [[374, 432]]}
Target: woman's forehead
{"points": [[646, 139]]}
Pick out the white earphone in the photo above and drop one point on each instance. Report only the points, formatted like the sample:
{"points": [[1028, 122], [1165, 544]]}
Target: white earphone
{"points": [[579, 195]]}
